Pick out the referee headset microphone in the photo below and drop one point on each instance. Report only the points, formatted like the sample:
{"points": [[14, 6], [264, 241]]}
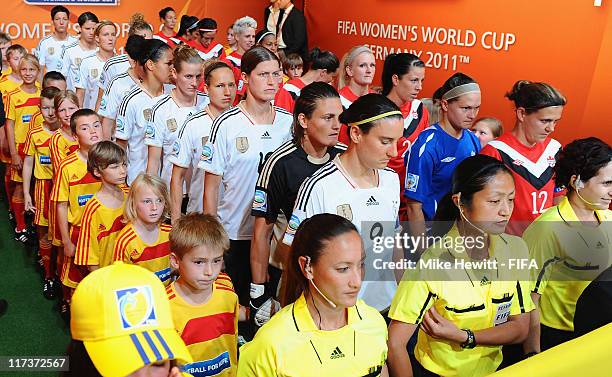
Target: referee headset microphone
{"points": [[578, 185], [460, 205], [310, 277]]}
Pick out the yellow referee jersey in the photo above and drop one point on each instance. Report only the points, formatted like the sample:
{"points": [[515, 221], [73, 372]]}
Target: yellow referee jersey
{"points": [[569, 256], [290, 344], [210, 330], [472, 298]]}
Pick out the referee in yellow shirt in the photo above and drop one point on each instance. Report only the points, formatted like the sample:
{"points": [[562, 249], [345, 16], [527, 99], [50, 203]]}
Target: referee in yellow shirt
{"points": [[471, 305], [326, 331], [571, 241]]}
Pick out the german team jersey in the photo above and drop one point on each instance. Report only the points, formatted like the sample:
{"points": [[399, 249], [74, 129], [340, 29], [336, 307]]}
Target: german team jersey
{"points": [[100, 228], [49, 51], [20, 108], [70, 62], [75, 185], [474, 299], [162, 130], [89, 75], [569, 255], [117, 89], [61, 147], [347, 97], [210, 330], [187, 152], [155, 257], [113, 66], [236, 150], [372, 210], [430, 164], [37, 145], [215, 50], [291, 344], [134, 113], [288, 93], [416, 119], [533, 172]]}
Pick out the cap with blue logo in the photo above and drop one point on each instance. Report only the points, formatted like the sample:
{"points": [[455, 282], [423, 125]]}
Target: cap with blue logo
{"points": [[122, 314]]}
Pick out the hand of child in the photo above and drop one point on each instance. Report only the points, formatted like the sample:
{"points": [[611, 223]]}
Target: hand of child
{"points": [[17, 162], [69, 249], [29, 207]]}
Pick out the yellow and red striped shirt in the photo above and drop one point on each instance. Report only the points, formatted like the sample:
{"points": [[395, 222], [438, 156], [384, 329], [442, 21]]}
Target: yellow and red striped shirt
{"points": [[210, 330], [60, 148], [37, 145], [20, 108], [100, 228], [155, 257]]}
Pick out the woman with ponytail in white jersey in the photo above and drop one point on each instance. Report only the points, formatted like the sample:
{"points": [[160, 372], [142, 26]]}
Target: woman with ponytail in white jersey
{"points": [[171, 110], [155, 59], [91, 67], [194, 133], [240, 141], [358, 186]]}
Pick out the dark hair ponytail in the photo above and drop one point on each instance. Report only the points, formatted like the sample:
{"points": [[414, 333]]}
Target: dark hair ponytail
{"points": [[319, 59], [533, 96], [452, 82], [398, 64], [583, 157], [187, 22], [470, 177], [87, 16], [310, 239], [150, 49]]}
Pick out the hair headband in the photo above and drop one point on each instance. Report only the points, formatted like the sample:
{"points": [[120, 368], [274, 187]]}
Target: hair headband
{"points": [[376, 117], [208, 30], [263, 36], [461, 90], [193, 26]]}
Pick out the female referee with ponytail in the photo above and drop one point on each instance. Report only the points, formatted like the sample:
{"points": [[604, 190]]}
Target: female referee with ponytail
{"points": [[570, 242], [326, 330], [465, 314]]}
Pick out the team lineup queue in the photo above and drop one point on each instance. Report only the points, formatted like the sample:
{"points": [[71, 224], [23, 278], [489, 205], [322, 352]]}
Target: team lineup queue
{"points": [[206, 210]]}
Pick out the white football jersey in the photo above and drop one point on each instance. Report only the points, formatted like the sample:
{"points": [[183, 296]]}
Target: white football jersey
{"points": [[236, 150], [113, 95], [134, 113], [89, 73], [374, 211], [113, 66], [187, 151], [49, 51], [163, 128], [70, 63]]}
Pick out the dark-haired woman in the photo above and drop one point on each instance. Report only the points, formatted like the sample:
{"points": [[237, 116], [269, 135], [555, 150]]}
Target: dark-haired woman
{"points": [[266, 38], [315, 138], [240, 140], [166, 34], [187, 149], [74, 53], [402, 81], [529, 151], [323, 67], [439, 149], [187, 28], [358, 186], [465, 313], [135, 110], [326, 330], [571, 242]]}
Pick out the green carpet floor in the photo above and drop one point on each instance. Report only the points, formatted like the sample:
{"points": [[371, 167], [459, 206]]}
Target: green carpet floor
{"points": [[32, 325]]}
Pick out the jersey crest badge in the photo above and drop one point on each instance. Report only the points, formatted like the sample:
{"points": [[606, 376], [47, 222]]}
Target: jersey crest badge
{"points": [[94, 73], [171, 124], [77, 62], [147, 113], [345, 211], [204, 140], [51, 51], [551, 161], [242, 144]]}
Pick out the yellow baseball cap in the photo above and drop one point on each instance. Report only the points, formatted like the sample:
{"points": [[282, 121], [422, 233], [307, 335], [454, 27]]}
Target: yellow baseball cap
{"points": [[122, 314]]}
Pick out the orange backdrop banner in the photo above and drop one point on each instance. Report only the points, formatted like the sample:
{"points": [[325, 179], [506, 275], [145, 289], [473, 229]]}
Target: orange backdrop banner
{"points": [[567, 43], [27, 21]]}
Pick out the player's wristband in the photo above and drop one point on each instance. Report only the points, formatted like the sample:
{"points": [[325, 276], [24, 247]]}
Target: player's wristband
{"points": [[471, 340]]}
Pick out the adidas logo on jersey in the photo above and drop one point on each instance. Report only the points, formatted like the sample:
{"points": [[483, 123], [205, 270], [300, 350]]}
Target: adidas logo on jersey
{"points": [[599, 245], [484, 281], [266, 135], [336, 354], [371, 201], [101, 227]]}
